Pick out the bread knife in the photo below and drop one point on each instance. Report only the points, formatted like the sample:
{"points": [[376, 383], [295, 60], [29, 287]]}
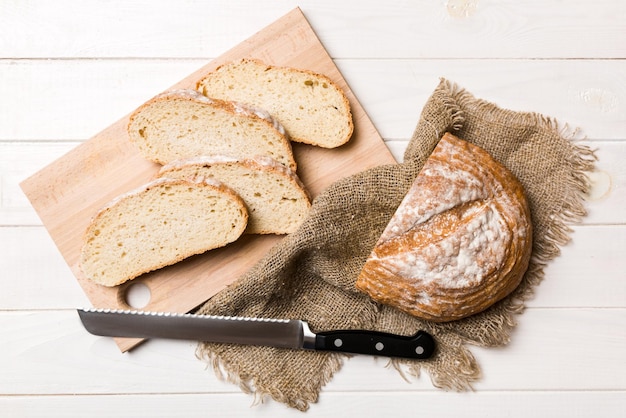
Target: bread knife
{"points": [[281, 333]]}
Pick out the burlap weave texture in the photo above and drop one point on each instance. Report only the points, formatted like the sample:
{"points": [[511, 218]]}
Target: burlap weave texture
{"points": [[310, 275]]}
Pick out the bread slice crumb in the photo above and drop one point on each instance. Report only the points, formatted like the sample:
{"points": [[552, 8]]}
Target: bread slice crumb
{"points": [[184, 123], [159, 224], [311, 107], [276, 199]]}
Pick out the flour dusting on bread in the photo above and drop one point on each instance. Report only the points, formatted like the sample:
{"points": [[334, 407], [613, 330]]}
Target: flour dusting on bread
{"points": [[458, 242]]}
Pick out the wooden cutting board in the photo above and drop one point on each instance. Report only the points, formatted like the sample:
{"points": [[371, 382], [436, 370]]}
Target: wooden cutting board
{"points": [[68, 192]]}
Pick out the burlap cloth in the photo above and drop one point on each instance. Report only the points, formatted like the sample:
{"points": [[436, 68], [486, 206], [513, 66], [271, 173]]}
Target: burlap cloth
{"points": [[310, 274]]}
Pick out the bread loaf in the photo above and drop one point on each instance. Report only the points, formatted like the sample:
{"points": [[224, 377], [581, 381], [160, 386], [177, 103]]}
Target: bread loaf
{"points": [[310, 106], [157, 225], [274, 196], [459, 242], [184, 123]]}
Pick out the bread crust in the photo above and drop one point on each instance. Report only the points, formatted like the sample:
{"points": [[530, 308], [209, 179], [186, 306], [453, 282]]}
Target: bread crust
{"points": [[460, 241]]}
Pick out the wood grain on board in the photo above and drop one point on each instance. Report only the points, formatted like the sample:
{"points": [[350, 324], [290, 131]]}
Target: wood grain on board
{"points": [[69, 191]]}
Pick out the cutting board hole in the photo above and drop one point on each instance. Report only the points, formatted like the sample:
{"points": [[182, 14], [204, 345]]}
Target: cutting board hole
{"points": [[137, 295]]}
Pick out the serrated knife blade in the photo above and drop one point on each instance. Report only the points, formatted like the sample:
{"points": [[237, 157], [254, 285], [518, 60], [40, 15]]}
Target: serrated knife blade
{"points": [[280, 333]]}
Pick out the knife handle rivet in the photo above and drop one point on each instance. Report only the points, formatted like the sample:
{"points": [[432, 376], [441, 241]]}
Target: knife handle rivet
{"points": [[379, 346], [338, 342], [419, 350]]}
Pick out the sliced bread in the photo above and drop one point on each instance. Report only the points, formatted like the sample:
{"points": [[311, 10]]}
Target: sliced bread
{"points": [[311, 107], [184, 123], [274, 196], [157, 225]]}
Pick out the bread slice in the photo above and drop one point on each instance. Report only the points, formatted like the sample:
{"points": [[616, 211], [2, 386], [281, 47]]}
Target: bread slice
{"points": [[276, 200], [311, 107], [159, 224], [184, 123]]}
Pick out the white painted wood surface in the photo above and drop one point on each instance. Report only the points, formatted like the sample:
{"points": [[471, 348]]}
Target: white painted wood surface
{"points": [[70, 68]]}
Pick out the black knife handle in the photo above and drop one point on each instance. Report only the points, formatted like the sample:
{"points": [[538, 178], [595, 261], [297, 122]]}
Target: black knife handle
{"points": [[418, 346]]}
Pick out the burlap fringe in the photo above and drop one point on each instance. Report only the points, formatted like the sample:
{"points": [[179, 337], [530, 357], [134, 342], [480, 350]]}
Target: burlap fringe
{"points": [[582, 161], [496, 327], [547, 247], [460, 379], [232, 374]]}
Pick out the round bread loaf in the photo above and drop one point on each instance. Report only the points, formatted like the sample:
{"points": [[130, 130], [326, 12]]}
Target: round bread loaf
{"points": [[459, 242]]}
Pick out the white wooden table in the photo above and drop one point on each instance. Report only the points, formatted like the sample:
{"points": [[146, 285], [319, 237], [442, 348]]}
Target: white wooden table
{"points": [[70, 68]]}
